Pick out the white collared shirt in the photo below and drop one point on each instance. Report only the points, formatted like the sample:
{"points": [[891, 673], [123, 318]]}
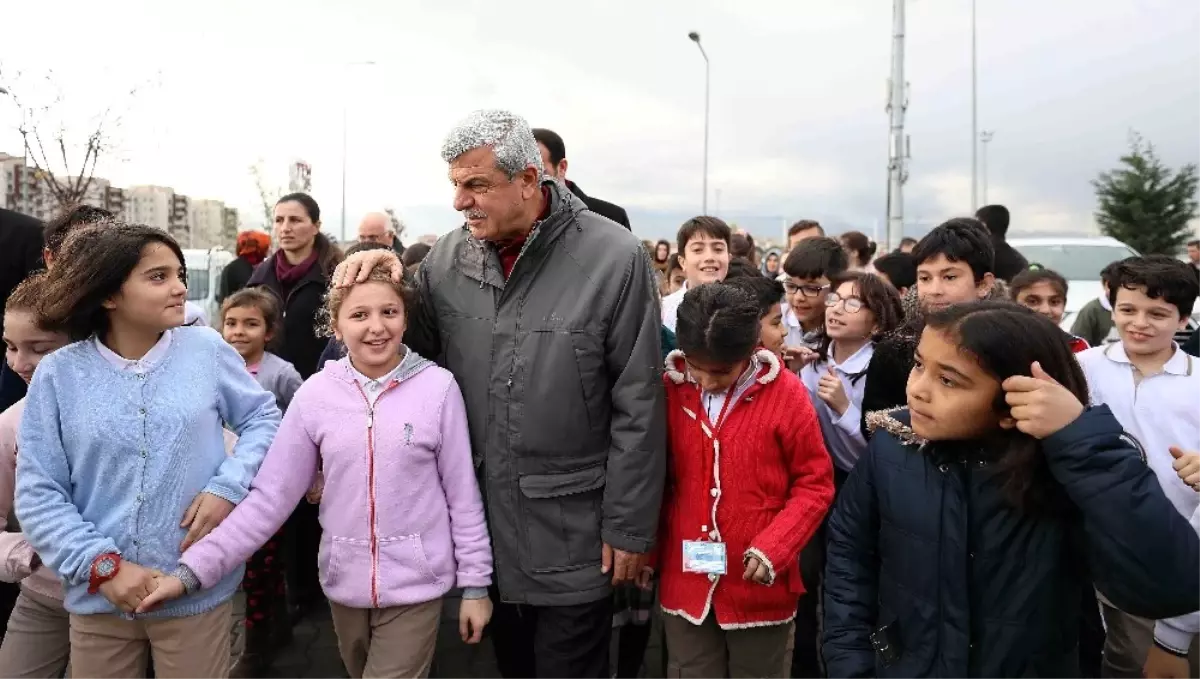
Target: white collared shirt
{"points": [[141, 365], [714, 403], [374, 388], [796, 337], [843, 433], [670, 307], [1161, 411]]}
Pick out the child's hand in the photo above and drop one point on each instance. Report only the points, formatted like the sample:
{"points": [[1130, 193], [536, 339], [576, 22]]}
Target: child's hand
{"points": [[1163, 665], [205, 513], [798, 357], [757, 571], [130, 586], [1039, 405], [317, 491], [832, 392], [167, 588], [1187, 465], [473, 616]]}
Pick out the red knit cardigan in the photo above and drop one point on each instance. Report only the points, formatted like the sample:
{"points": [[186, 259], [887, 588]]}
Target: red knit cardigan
{"points": [[761, 484]]}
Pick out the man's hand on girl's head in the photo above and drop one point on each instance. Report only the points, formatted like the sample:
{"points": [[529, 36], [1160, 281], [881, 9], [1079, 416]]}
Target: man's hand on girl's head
{"points": [[1040, 406], [357, 267]]}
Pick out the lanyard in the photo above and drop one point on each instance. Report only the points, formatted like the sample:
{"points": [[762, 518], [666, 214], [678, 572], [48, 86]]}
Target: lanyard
{"points": [[730, 396]]}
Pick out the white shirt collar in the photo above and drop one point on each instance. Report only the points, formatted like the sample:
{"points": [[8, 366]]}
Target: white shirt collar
{"points": [[1179, 363], [139, 366], [857, 362], [378, 383]]}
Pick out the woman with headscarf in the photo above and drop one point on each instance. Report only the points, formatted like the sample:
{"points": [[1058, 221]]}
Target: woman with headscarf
{"points": [[252, 248]]}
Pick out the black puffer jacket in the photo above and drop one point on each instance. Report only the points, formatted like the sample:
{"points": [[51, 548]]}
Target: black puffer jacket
{"points": [[923, 541]]}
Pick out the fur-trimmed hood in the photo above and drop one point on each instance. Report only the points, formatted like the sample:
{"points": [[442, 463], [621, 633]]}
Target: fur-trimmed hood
{"points": [[912, 306], [767, 367], [897, 422]]}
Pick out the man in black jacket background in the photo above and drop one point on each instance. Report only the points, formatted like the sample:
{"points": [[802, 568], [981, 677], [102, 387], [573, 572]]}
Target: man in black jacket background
{"points": [[554, 158], [1009, 262]]}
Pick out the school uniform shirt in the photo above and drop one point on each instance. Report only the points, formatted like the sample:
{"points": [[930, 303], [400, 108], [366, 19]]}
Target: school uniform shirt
{"points": [[1159, 412], [670, 307], [796, 336], [843, 433], [139, 366]]}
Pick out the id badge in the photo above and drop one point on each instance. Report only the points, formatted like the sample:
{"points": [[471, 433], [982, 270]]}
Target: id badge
{"points": [[704, 557]]}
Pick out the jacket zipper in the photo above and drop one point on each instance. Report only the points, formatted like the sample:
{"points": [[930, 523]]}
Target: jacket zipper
{"points": [[371, 517]]}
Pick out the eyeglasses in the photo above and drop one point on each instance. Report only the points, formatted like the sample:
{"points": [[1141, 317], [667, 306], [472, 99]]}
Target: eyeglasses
{"points": [[806, 290], [852, 305]]}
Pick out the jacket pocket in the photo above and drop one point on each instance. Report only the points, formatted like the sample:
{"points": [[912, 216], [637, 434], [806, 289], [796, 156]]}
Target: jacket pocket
{"points": [[403, 567], [346, 570], [552, 405], [562, 519]]}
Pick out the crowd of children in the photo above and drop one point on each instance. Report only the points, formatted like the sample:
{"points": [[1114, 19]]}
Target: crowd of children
{"points": [[891, 468]]}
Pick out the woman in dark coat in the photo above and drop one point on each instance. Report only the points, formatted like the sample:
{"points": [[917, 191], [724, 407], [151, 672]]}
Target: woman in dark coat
{"points": [[298, 273], [963, 540]]}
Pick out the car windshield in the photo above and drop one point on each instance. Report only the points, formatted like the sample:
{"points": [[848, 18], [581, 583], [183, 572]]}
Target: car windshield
{"points": [[1074, 262]]}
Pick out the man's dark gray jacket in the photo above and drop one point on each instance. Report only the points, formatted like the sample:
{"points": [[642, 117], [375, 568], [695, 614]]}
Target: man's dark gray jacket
{"points": [[561, 371]]}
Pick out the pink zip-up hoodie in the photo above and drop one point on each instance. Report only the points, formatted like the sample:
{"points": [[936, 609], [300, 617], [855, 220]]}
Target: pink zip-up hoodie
{"points": [[16, 554], [401, 512]]}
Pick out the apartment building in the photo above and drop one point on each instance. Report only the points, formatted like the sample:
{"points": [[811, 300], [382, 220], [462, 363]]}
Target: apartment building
{"points": [[195, 223]]}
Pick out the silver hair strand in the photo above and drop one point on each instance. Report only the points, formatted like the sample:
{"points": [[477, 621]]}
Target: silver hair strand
{"points": [[507, 134]]}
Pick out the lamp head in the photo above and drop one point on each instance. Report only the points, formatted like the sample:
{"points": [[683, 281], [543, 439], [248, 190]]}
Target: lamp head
{"points": [[694, 37]]}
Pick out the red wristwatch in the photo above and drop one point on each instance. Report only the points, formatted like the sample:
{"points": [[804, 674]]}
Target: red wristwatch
{"points": [[104, 568]]}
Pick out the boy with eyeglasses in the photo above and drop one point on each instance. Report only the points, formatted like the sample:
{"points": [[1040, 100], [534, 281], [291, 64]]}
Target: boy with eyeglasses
{"points": [[808, 269]]}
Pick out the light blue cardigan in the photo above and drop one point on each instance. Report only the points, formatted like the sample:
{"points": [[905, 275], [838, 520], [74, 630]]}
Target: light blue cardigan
{"points": [[109, 460]]}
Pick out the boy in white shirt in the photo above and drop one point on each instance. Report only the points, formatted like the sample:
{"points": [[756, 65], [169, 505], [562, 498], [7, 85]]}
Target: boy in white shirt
{"points": [[1152, 387], [704, 253]]}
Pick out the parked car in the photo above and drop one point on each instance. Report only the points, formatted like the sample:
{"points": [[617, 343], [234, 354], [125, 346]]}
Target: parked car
{"points": [[1079, 260], [204, 269]]}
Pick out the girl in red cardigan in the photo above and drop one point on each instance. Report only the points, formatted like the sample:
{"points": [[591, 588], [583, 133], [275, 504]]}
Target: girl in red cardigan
{"points": [[749, 482]]}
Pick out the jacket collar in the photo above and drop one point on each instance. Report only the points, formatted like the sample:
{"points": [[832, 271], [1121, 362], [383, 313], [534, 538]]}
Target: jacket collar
{"points": [[264, 274], [897, 422], [767, 367], [478, 261], [411, 365]]}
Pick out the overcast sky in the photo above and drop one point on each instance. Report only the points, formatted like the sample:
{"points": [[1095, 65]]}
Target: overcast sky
{"points": [[798, 127]]}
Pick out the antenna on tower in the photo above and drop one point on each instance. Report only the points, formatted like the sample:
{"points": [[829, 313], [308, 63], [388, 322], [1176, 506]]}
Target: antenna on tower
{"points": [[899, 145]]}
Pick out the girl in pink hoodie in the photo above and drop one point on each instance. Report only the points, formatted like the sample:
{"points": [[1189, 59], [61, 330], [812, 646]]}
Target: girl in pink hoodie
{"points": [[400, 511], [38, 640]]}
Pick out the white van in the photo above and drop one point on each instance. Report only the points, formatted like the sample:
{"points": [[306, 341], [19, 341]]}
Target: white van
{"points": [[204, 268]]}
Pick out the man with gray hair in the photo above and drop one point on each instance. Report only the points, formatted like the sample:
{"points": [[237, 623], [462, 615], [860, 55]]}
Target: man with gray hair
{"points": [[547, 315]]}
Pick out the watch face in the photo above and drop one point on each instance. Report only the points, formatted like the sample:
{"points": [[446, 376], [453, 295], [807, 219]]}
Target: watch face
{"points": [[105, 567]]}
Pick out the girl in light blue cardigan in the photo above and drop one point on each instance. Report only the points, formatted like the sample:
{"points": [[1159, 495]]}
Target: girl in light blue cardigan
{"points": [[122, 463]]}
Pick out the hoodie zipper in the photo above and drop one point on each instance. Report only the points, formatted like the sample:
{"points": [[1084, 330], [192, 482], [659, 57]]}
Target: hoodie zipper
{"points": [[371, 516]]}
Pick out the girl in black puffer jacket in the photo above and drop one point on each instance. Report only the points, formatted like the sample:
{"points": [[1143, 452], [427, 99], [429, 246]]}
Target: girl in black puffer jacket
{"points": [[964, 537]]}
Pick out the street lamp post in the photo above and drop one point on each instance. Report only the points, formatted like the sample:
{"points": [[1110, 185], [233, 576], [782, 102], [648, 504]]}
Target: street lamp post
{"points": [[345, 127], [695, 37], [974, 119], [984, 138]]}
